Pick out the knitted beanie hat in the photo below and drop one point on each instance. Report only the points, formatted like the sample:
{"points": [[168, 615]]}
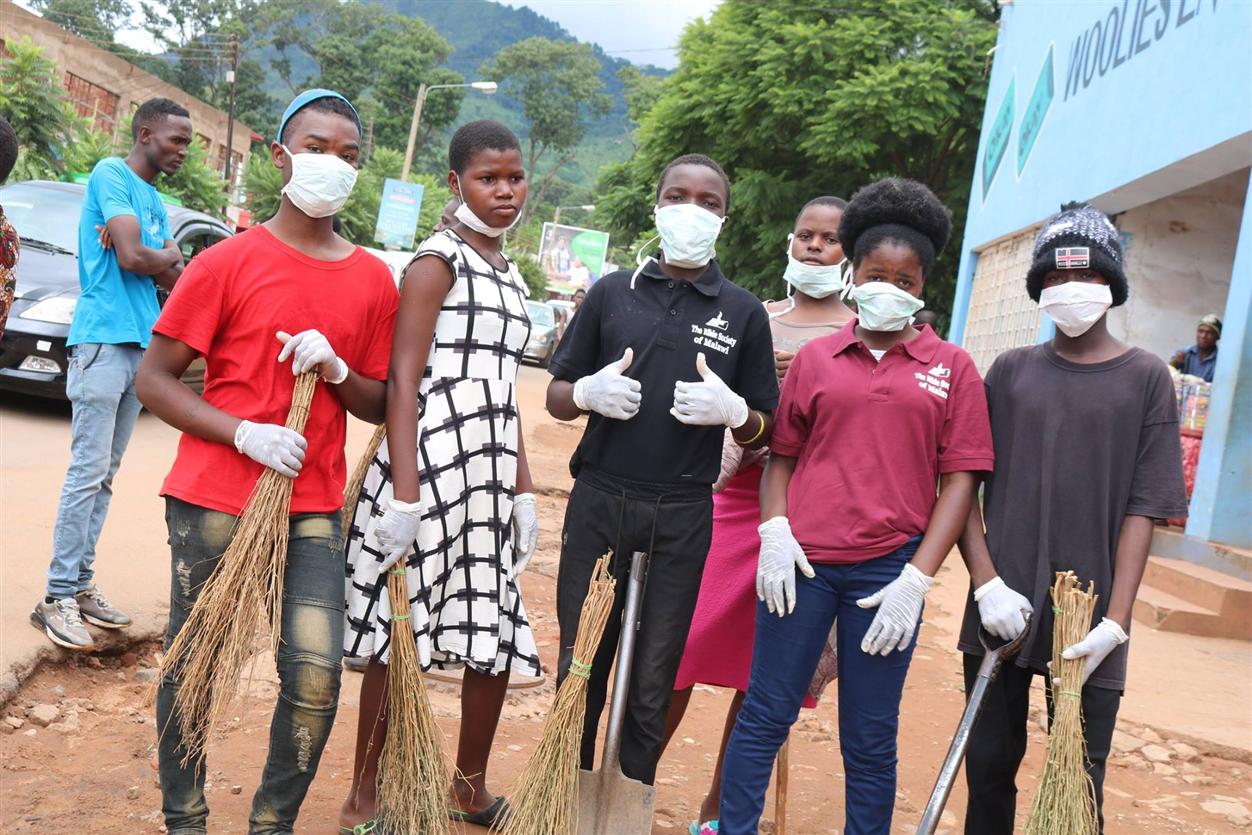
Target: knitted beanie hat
{"points": [[1079, 238]]}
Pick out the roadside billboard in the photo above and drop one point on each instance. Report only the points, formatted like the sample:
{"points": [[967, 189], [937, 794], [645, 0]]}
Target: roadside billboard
{"points": [[398, 213], [572, 257]]}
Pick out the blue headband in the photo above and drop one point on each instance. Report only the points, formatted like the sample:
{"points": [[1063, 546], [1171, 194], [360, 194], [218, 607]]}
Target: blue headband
{"points": [[308, 97]]}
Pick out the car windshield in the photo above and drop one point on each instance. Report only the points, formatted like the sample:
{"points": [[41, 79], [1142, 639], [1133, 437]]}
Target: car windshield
{"points": [[540, 314], [43, 214]]}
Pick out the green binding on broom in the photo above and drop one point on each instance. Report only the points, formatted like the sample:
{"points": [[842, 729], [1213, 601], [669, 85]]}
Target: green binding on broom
{"points": [[578, 668]]}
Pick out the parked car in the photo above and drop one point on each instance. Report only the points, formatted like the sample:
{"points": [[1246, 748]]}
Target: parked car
{"points": [[45, 215], [543, 338]]}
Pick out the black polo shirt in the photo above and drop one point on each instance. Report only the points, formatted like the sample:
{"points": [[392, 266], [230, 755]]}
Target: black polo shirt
{"points": [[667, 322]]}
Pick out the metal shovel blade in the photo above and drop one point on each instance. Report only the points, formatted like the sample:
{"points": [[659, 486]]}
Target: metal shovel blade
{"points": [[609, 802], [994, 656]]}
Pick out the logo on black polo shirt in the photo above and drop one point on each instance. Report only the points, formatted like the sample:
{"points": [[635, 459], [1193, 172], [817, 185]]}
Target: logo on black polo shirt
{"points": [[712, 335]]}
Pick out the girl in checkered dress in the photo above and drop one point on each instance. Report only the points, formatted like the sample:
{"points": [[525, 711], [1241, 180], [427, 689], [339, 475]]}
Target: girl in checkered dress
{"points": [[449, 493]]}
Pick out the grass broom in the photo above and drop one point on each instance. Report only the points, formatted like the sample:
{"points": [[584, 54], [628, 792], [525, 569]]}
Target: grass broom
{"points": [[412, 774], [1066, 799], [211, 652], [545, 798], [352, 490]]}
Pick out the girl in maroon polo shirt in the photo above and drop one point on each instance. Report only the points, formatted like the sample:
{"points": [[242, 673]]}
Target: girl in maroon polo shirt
{"points": [[872, 418]]}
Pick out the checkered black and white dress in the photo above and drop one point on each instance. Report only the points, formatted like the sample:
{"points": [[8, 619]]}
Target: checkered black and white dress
{"points": [[465, 606]]}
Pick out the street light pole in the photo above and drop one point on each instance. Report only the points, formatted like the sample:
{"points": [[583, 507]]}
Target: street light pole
{"points": [[230, 112], [487, 87]]}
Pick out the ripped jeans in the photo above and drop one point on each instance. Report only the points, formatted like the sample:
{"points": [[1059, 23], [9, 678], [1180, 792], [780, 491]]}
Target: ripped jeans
{"points": [[308, 665]]}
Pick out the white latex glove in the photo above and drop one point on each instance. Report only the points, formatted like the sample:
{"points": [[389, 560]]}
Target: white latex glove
{"points": [[310, 350], [525, 531], [1003, 612], [397, 531], [776, 566], [1107, 636], [709, 402], [899, 609], [271, 445], [609, 392]]}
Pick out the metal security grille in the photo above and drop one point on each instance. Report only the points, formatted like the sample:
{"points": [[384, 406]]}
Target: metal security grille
{"points": [[1001, 315], [93, 101]]}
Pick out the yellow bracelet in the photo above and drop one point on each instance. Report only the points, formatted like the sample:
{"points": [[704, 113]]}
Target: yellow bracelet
{"points": [[758, 434]]}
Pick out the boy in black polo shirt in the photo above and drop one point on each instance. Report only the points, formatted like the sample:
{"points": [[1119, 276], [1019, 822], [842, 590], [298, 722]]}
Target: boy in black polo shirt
{"points": [[656, 357]]}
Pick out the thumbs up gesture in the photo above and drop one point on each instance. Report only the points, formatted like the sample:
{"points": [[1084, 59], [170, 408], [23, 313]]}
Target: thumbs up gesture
{"points": [[709, 402], [609, 391]]}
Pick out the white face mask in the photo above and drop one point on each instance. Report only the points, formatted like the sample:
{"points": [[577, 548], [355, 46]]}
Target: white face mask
{"points": [[466, 215], [815, 281], [884, 307], [1076, 305], [320, 183], [687, 234]]}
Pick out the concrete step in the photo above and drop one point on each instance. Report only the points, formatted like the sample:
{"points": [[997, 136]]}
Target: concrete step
{"points": [[1163, 611], [1224, 594]]}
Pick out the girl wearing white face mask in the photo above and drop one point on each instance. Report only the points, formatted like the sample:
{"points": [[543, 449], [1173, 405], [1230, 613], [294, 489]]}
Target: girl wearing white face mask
{"points": [[719, 644], [449, 496], [872, 418], [1090, 427]]}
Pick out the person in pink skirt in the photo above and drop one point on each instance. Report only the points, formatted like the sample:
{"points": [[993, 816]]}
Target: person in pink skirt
{"points": [[719, 645]]}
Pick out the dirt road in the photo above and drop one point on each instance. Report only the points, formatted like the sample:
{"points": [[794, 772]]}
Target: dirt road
{"points": [[76, 749]]}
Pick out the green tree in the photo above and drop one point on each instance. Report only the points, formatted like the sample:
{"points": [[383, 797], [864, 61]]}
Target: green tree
{"points": [[796, 101], [197, 185], [94, 20], [642, 91], [560, 92], [34, 101]]}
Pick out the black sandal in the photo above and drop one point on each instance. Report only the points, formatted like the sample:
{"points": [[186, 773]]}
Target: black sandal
{"points": [[497, 811]]}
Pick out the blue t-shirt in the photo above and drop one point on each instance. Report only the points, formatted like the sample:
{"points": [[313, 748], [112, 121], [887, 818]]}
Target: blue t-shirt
{"points": [[1196, 365], [116, 306]]}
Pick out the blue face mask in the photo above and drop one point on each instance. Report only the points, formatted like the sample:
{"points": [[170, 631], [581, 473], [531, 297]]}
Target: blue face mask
{"points": [[688, 234]]}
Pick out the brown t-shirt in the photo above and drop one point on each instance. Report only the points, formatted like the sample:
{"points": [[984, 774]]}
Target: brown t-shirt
{"points": [[1077, 448]]}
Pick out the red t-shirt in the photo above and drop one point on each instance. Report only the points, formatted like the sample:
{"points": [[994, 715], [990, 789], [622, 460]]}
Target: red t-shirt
{"points": [[872, 438], [228, 305]]}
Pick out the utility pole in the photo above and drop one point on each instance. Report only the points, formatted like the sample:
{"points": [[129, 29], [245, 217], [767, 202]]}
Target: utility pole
{"points": [[369, 143], [231, 76], [417, 117]]}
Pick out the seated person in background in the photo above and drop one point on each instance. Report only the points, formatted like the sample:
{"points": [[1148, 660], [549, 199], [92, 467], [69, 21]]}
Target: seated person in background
{"points": [[1201, 358]]}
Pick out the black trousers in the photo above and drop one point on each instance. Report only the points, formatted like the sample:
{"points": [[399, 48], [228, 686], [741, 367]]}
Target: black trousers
{"points": [[998, 742], [674, 526]]}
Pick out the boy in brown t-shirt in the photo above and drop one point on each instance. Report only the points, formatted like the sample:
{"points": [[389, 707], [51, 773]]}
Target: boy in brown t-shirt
{"points": [[1087, 455]]}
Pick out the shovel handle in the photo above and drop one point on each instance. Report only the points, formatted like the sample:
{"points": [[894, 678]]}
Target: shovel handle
{"points": [[625, 661]]}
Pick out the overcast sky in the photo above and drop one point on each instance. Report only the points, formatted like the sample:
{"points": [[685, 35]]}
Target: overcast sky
{"points": [[642, 31]]}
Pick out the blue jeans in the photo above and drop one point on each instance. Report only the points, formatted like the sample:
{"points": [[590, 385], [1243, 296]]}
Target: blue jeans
{"points": [[308, 665], [101, 387], [783, 662]]}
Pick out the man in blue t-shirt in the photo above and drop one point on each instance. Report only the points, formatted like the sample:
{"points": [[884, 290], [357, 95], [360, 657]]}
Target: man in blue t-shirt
{"points": [[124, 254], [1200, 360]]}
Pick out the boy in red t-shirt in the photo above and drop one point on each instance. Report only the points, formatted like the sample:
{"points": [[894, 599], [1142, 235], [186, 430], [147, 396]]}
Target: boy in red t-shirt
{"points": [[237, 305]]}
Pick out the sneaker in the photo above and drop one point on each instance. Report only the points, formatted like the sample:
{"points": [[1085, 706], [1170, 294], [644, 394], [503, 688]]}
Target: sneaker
{"points": [[62, 623], [97, 611]]}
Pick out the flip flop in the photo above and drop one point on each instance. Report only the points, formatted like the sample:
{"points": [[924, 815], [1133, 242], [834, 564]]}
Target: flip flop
{"points": [[497, 811], [697, 828], [369, 827]]}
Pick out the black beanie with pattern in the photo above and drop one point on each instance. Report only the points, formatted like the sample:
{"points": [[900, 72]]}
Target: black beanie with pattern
{"points": [[1079, 237]]}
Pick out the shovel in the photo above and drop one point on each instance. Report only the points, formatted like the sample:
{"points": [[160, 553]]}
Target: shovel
{"points": [[609, 802], [992, 659]]}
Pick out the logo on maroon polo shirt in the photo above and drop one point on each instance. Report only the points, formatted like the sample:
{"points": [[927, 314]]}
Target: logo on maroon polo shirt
{"points": [[935, 380]]}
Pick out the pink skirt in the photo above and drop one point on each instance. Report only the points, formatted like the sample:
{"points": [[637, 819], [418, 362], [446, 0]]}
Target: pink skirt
{"points": [[719, 643]]}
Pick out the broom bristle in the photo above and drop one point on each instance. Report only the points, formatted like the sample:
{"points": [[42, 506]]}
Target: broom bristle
{"points": [[412, 775], [352, 490], [545, 797], [1066, 799], [209, 655]]}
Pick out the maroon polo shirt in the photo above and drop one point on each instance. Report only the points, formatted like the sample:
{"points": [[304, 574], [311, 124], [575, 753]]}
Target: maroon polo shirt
{"points": [[872, 438]]}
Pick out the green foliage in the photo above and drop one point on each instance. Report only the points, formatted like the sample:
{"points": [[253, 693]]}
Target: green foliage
{"points": [[359, 216], [88, 148], [93, 20], [34, 101], [558, 85], [533, 275], [796, 102], [197, 185], [641, 90]]}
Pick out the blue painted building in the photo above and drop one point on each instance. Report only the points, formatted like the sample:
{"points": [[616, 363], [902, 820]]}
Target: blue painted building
{"points": [[1144, 108]]}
